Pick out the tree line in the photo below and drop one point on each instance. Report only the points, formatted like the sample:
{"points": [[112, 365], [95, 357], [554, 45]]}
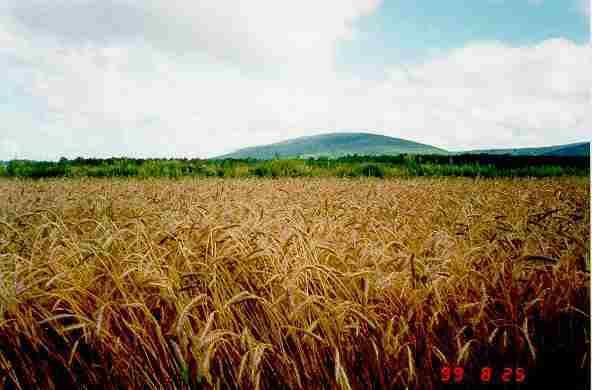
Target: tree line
{"points": [[466, 165]]}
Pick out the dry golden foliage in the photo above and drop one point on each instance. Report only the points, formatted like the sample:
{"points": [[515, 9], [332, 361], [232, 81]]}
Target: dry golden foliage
{"points": [[319, 283]]}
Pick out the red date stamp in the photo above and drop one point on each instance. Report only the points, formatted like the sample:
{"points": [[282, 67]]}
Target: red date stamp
{"points": [[457, 375]]}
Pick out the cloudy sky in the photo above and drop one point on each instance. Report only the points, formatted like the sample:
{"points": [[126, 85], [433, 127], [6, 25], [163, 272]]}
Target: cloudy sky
{"points": [[164, 78]]}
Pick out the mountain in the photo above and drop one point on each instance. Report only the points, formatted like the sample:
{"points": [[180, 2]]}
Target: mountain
{"points": [[342, 144], [336, 145], [579, 149], [575, 149]]}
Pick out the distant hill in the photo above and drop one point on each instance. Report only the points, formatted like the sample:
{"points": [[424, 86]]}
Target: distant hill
{"points": [[342, 144], [336, 145], [575, 149]]}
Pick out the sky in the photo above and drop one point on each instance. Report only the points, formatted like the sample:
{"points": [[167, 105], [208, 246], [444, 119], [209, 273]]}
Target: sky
{"points": [[196, 79]]}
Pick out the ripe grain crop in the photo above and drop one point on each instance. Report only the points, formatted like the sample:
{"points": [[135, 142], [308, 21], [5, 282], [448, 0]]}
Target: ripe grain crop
{"points": [[291, 283]]}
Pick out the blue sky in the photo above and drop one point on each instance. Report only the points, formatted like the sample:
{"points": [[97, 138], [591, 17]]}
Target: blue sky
{"points": [[411, 31], [201, 78]]}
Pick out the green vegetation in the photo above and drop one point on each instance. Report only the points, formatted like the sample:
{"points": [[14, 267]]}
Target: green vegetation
{"points": [[575, 149], [367, 170], [489, 166], [336, 145], [337, 154]]}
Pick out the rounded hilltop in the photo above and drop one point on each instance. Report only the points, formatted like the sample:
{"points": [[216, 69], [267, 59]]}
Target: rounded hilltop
{"points": [[336, 145]]}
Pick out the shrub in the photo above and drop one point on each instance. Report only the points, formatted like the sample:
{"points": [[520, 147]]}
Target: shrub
{"points": [[368, 170]]}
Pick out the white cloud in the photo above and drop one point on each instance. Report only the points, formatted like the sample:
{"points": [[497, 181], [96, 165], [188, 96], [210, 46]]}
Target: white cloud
{"points": [[254, 33], [106, 94]]}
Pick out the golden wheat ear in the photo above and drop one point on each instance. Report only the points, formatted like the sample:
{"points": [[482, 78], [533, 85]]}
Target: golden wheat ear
{"points": [[292, 283]]}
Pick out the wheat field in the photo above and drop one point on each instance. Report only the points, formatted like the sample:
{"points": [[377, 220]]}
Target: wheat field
{"points": [[291, 283]]}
